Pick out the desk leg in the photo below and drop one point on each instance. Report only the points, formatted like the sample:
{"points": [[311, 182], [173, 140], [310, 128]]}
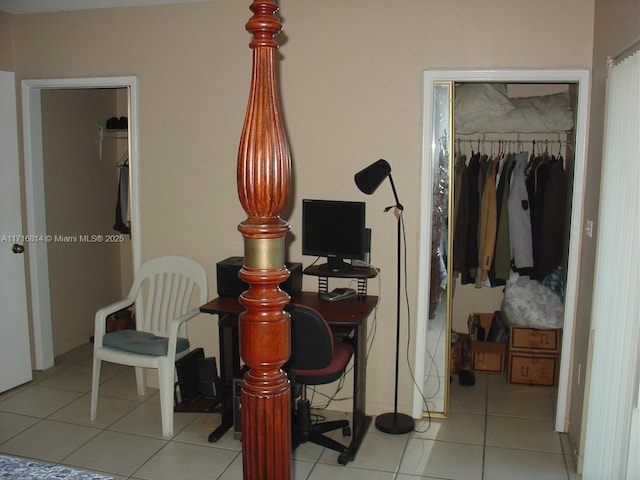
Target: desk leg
{"points": [[229, 345], [360, 421]]}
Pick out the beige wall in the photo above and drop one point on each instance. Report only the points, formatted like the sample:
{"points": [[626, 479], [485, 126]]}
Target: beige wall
{"points": [[616, 26], [351, 81], [6, 42], [80, 195]]}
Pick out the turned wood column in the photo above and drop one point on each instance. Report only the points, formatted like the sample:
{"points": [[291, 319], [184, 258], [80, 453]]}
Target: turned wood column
{"points": [[264, 167]]}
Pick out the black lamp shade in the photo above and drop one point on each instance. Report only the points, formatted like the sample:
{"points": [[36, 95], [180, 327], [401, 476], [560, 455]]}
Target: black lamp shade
{"points": [[370, 178]]}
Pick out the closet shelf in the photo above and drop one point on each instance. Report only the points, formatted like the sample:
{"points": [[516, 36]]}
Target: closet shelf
{"points": [[110, 134]]}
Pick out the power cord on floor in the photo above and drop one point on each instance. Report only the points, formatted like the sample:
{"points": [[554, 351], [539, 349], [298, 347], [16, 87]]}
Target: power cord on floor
{"points": [[406, 296]]}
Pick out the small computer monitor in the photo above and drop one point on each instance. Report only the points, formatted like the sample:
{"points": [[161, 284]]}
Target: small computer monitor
{"points": [[334, 229]]}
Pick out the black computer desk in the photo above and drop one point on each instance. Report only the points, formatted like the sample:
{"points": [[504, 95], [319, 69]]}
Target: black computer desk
{"points": [[347, 318]]}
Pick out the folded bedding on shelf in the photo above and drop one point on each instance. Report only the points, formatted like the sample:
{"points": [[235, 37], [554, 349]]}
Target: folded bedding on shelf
{"points": [[485, 107]]}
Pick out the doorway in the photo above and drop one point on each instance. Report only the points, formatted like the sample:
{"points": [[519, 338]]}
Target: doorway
{"points": [[38, 262], [580, 79]]}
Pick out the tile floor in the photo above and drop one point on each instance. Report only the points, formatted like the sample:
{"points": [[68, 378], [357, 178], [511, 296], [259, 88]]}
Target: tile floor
{"points": [[495, 432]]}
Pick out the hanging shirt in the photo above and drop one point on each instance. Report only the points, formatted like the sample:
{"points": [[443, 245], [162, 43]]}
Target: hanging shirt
{"points": [[551, 241], [488, 222], [518, 208], [502, 255], [473, 212], [122, 204]]}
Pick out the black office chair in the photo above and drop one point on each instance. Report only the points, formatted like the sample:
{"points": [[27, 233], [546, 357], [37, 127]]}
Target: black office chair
{"points": [[316, 359]]}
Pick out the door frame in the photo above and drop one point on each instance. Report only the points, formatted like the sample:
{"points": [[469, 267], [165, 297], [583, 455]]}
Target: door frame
{"points": [[38, 264], [581, 78]]}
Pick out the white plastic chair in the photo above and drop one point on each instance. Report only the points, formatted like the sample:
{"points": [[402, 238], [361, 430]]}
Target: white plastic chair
{"points": [[163, 291]]}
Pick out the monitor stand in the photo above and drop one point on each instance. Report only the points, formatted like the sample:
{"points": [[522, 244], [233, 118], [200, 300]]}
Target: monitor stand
{"points": [[335, 264]]}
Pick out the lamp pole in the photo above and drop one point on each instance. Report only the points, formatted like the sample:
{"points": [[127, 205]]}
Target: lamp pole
{"points": [[394, 422], [368, 180]]}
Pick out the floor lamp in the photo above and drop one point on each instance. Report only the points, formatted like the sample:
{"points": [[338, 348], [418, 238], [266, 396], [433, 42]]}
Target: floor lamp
{"points": [[368, 180]]}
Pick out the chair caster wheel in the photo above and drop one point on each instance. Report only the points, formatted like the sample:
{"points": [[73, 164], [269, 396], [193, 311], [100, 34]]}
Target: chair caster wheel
{"points": [[343, 459], [346, 431]]}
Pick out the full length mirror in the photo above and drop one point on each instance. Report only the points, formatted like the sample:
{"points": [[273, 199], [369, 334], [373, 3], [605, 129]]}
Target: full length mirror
{"points": [[436, 385]]}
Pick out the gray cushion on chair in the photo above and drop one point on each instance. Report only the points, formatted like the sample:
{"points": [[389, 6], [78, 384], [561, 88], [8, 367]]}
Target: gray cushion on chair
{"points": [[142, 342]]}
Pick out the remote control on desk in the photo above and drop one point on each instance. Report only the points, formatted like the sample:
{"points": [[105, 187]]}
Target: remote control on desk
{"points": [[338, 294]]}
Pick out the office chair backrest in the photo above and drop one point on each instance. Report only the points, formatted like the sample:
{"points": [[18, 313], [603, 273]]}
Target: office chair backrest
{"points": [[311, 338], [166, 288]]}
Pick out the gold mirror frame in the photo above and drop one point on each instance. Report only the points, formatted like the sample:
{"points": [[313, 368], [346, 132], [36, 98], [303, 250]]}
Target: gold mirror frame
{"points": [[438, 304]]}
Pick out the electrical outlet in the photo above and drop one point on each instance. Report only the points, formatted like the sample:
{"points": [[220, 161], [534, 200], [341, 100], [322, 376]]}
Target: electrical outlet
{"points": [[588, 229]]}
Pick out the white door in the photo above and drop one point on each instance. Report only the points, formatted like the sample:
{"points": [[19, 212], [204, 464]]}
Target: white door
{"points": [[15, 353]]}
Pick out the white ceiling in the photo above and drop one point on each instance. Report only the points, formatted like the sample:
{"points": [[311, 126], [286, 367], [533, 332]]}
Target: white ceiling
{"points": [[32, 6]]}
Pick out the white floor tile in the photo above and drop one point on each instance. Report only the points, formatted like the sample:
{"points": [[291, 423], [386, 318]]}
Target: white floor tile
{"points": [[311, 452], [234, 470], [12, 424], [15, 390], [501, 463], [183, 460], [524, 404], [378, 451], [334, 472], [146, 420], [48, 440], [468, 399], [77, 354], [299, 470], [402, 476], [523, 434], [442, 459], [458, 427], [109, 411], [123, 386], [39, 375], [37, 401], [114, 452], [199, 428], [75, 379], [108, 369]]}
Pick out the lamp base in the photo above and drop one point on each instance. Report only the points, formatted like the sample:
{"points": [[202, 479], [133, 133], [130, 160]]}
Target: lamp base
{"points": [[395, 423]]}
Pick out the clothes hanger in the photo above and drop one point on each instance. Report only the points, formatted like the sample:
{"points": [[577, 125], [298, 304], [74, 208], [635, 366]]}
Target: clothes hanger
{"points": [[124, 160], [560, 158]]}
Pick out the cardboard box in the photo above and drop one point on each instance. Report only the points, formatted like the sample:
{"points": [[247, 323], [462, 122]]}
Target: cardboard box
{"points": [[527, 368], [488, 357], [540, 340]]}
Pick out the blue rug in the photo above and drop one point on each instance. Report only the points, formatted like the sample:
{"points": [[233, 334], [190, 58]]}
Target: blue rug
{"points": [[20, 469]]}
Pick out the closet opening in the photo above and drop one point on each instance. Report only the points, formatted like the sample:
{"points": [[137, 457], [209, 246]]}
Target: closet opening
{"points": [[41, 99], [478, 126]]}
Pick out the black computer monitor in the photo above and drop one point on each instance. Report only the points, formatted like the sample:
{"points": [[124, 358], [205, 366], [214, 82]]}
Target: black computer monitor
{"points": [[334, 229]]}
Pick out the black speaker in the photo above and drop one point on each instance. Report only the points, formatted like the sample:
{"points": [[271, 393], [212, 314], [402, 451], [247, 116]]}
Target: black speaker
{"points": [[208, 376], [230, 285], [187, 371], [366, 261]]}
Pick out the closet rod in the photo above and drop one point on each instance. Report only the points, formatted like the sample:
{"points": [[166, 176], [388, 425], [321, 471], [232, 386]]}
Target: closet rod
{"points": [[505, 141]]}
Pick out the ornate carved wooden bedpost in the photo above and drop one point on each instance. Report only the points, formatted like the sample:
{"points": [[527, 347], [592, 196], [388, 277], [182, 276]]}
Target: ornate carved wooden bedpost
{"points": [[264, 167]]}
